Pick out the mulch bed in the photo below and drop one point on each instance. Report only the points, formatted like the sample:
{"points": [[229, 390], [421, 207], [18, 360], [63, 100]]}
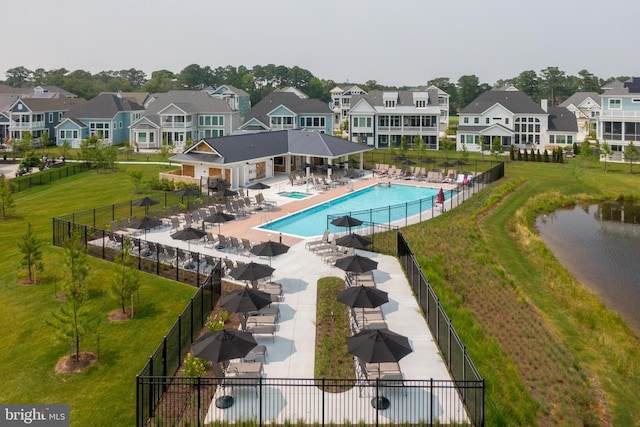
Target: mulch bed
{"points": [[68, 364]]}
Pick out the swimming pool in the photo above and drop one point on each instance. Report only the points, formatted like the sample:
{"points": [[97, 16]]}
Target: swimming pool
{"points": [[313, 221], [294, 194]]}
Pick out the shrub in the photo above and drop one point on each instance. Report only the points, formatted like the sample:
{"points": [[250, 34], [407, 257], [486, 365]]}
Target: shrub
{"points": [[194, 367], [217, 321]]}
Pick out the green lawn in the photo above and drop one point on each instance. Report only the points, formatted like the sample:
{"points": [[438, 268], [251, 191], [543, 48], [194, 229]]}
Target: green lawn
{"points": [[104, 394]]}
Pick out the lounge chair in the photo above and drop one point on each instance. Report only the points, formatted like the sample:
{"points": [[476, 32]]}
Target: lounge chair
{"points": [[323, 240]]}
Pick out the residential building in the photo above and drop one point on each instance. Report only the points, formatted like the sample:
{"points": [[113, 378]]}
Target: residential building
{"points": [[47, 91], [178, 116], [586, 107], [383, 118], [107, 116], [286, 110], [619, 122], [238, 99], [4, 127], [39, 116], [515, 119], [443, 103], [341, 103], [241, 159]]}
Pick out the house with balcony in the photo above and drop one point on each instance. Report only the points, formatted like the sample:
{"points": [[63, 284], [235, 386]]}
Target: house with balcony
{"points": [[39, 116], [619, 121], [107, 116], [179, 116], [383, 118], [286, 110], [238, 99], [4, 127], [586, 107], [341, 103], [515, 119]]}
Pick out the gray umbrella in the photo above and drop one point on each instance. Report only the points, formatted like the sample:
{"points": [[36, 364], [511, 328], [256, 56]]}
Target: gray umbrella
{"points": [[363, 297], [226, 193], [145, 224], [259, 186], [378, 346], [356, 264], [219, 218], [251, 271], [346, 221], [145, 202], [223, 345], [244, 301], [269, 249], [187, 192], [354, 240], [188, 234]]}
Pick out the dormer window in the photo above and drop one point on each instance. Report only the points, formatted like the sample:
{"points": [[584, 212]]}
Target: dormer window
{"points": [[390, 103], [421, 103]]}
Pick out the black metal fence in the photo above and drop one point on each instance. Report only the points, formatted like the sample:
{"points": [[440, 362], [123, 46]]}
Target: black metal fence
{"points": [[453, 351], [48, 175], [317, 401], [184, 266]]}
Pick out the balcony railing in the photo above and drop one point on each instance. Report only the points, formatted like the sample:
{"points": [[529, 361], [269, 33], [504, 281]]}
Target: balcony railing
{"points": [[621, 114], [27, 125], [176, 125]]}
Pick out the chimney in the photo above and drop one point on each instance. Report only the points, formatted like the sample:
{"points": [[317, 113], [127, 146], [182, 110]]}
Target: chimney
{"points": [[119, 94], [544, 104]]}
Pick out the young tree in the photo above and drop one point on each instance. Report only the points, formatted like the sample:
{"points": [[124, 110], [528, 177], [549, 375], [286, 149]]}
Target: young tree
{"points": [[422, 147], [30, 247], [446, 145], [64, 148], [631, 154], [127, 150], [605, 149], [404, 145], [126, 278], [512, 153], [464, 154], [73, 321], [6, 197], [496, 147], [136, 177], [165, 151]]}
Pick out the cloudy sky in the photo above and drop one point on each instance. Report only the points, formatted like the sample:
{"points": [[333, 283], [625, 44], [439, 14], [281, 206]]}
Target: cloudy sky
{"points": [[395, 42]]}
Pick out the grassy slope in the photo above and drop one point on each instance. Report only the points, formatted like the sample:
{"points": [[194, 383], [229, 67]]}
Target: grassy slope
{"points": [[104, 394], [536, 359]]}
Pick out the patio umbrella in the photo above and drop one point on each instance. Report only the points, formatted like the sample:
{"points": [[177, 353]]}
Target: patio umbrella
{"points": [[221, 346], [269, 249], [146, 202], [259, 186], [187, 192], [145, 224], [251, 271], [226, 193], [378, 346], [346, 221], [440, 196], [460, 163], [356, 264], [354, 240], [243, 301], [219, 218], [427, 160], [363, 297], [408, 162], [218, 185], [446, 165], [188, 234], [398, 158]]}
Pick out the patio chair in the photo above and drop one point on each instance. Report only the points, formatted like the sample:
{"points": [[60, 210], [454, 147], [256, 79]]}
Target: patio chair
{"points": [[246, 245], [267, 204], [323, 240], [228, 264], [263, 330], [236, 245], [210, 241], [224, 242], [257, 351]]}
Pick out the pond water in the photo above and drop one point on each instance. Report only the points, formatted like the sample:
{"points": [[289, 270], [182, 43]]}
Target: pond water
{"points": [[600, 246]]}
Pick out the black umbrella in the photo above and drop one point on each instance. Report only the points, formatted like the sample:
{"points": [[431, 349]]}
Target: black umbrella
{"points": [[460, 163], [398, 158], [219, 218], [145, 224], [408, 162], [325, 167], [188, 234], [446, 165], [346, 221], [145, 202], [363, 297], [379, 346], [354, 240], [218, 185], [259, 186], [187, 192], [220, 346], [269, 249], [245, 300], [251, 271], [427, 160], [226, 193], [356, 264]]}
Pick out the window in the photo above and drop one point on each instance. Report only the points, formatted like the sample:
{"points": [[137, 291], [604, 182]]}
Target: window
{"points": [[50, 117], [120, 125], [465, 120], [421, 103], [636, 100], [476, 120], [142, 137], [390, 103], [486, 120], [615, 104]]}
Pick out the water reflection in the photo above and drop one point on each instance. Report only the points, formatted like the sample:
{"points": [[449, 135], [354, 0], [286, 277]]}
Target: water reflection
{"points": [[600, 246]]}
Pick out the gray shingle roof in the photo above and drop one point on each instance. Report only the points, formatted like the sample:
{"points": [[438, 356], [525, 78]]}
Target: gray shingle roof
{"points": [[562, 120], [404, 99], [289, 100], [513, 100], [241, 148], [579, 97], [192, 101], [104, 106], [56, 104]]}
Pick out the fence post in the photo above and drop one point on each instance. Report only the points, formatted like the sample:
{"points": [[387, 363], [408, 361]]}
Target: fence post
{"points": [[179, 336], [199, 400], [431, 401], [164, 356], [322, 407]]}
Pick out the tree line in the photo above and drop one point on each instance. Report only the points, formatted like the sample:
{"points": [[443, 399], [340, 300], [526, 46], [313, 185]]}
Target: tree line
{"points": [[550, 83]]}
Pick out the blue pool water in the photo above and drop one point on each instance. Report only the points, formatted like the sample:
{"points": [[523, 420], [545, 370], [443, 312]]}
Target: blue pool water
{"points": [[313, 221], [294, 194]]}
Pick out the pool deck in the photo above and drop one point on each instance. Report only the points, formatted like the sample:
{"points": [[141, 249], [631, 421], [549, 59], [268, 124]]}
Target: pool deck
{"points": [[291, 352]]}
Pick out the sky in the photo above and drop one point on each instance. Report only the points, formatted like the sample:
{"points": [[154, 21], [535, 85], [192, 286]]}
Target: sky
{"points": [[394, 42]]}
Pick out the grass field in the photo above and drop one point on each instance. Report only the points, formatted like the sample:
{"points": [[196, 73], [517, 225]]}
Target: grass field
{"points": [[105, 393]]}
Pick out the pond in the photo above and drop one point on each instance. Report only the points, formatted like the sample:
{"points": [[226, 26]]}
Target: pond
{"points": [[600, 246]]}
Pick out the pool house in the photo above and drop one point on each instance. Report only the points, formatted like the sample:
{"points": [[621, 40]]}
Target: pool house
{"points": [[243, 159]]}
